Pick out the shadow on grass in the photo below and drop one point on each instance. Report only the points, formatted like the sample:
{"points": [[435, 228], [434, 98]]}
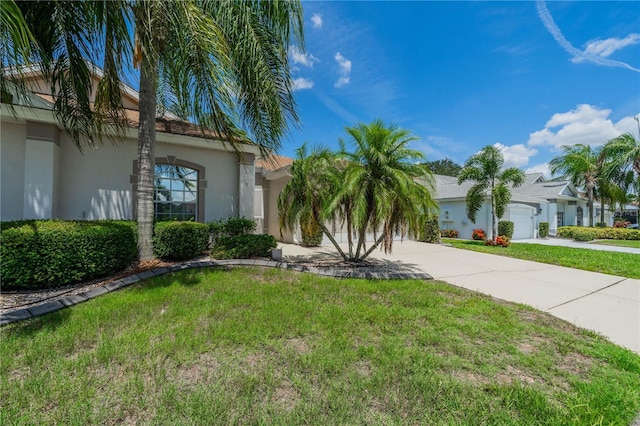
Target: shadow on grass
{"points": [[47, 323]]}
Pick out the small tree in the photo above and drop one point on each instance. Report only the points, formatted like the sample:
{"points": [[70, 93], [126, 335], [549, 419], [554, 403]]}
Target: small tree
{"points": [[485, 169]]}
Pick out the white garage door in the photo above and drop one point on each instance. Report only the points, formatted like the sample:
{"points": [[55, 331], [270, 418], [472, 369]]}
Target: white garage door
{"points": [[522, 219]]}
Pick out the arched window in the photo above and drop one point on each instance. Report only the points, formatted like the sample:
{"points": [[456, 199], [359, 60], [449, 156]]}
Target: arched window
{"points": [[176, 193], [579, 214]]}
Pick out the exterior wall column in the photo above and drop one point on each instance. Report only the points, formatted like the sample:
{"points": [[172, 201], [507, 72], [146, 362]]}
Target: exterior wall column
{"points": [[552, 217], [41, 171], [571, 214], [246, 185]]}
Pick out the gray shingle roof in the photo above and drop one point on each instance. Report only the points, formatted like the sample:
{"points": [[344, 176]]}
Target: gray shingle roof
{"points": [[534, 189]]}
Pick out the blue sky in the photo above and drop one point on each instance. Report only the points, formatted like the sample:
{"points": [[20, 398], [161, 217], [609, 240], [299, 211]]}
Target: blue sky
{"points": [[530, 76]]}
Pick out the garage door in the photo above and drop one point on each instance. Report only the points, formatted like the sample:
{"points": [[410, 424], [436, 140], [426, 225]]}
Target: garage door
{"points": [[522, 219]]}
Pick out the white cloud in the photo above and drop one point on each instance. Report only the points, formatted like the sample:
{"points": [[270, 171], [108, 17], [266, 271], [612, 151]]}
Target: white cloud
{"points": [[301, 84], [345, 70], [540, 168], [515, 155], [597, 53], [606, 47], [586, 124], [316, 20], [306, 59]]}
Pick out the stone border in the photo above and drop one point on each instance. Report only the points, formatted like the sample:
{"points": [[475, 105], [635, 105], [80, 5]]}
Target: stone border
{"points": [[65, 302]]}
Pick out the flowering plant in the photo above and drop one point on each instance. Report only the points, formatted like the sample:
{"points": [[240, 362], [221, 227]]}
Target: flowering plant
{"points": [[501, 240], [621, 224], [478, 234], [449, 233]]}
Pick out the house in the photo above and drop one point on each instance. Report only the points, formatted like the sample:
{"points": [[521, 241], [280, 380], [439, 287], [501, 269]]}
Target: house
{"points": [[537, 200], [272, 175], [44, 175]]}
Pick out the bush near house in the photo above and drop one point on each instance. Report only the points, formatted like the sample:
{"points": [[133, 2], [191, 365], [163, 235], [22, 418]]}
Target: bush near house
{"points": [[180, 240], [449, 233], [501, 241], [478, 235], [53, 253], [621, 223], [430, 232], [244, 246], [580, 233], [543, 229], [505, 227], [231, 227]]}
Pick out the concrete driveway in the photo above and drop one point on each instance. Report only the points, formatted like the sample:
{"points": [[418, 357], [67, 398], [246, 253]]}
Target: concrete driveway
{"points": [[607, 304]]}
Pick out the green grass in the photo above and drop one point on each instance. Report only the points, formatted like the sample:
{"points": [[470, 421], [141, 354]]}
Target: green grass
{"points": [[607, 262], [266, 346], [619, 243]]}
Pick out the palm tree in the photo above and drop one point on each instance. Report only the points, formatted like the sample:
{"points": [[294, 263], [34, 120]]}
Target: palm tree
{"points": [[383, 188], [582, 165], [304, 198], [485, 169], [222, 63], [15, 47], [624, 151]]}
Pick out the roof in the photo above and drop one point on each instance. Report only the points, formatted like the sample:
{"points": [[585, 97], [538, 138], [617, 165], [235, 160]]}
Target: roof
{"points": [[274, 162], [534, 189]]}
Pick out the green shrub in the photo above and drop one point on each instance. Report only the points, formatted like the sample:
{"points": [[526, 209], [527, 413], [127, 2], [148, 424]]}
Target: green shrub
{"points": [[505, 227], [51, 253], [180, 240], [576, 232], [231, 227], [430, 232], [243, 246], [543, 229], [313, 238]]}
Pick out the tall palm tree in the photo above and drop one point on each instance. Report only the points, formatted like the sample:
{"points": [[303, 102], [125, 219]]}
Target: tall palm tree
{"points": [[304, 198], [15, 47], [486, 169], [222, 63], [582, 165], [383, 187], [624, 151]]}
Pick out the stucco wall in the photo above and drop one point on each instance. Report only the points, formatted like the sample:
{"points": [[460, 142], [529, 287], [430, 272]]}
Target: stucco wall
{"points": [[12, 137], [457, 218]]}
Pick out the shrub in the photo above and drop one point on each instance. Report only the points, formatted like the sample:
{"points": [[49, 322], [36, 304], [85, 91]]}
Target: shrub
{"points": [[543, 229], [244, 246], [505, 227], [478, 235], [449, 233], [180, 240], [231, 227], [52, 253], [430, 232], [311, 235], [621, 223], [576, 232], [501, 240], [601, 225]]}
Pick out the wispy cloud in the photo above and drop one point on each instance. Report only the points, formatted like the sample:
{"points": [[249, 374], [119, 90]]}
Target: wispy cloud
{"points": [[337, 109], [594, 55], [606, 47], [515, 155], [298, 57], [344, 71], [301, 84], [316, 20]]}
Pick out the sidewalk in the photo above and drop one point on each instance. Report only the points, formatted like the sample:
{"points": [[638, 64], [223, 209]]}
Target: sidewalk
{"points": [[575, 244], [607, 304]]}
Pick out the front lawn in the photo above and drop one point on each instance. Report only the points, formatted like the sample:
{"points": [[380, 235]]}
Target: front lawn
{"points": [[267, 346], [607, 262], [619, 243]]}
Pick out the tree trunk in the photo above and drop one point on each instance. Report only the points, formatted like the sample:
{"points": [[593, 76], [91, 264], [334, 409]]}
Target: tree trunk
{"points": [[601, 209], [364, 256], [333, 241], [146, 158], [494, 220], [590, 198]]}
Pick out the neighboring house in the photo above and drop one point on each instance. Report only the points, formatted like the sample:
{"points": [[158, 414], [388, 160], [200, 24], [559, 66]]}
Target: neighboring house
{"points": [[537, 200], [44, 175]]}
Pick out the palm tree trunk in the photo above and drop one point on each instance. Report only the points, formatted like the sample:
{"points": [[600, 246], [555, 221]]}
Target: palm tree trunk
{"points": [[333, 241], [590, 200], [601, 209], [372, 248], [349, 232], [146, 158], [494, 220]]}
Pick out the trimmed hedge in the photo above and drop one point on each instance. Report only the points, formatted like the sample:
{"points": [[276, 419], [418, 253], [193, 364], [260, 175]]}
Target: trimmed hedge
{"points": [[53, 253], [180, 240], [580, 233], [543, 229], [505, 228], [430, 232], [231, 227], [244, 246]]}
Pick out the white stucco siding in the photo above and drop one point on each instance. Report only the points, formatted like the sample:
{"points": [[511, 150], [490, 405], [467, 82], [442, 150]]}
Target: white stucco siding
{"points": [[453, 215], [12, 137], [95, 184]]}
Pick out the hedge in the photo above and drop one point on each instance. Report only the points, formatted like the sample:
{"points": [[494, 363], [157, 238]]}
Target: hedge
{"points": [[543, 229], [430, 232], [52, 253], [505, 228], [243, 246], [180, 240], [580, 233]]}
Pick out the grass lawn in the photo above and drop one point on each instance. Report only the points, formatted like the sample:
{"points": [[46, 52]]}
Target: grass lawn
{"points": [[607, 262], [267, 346], [619, 243]]}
